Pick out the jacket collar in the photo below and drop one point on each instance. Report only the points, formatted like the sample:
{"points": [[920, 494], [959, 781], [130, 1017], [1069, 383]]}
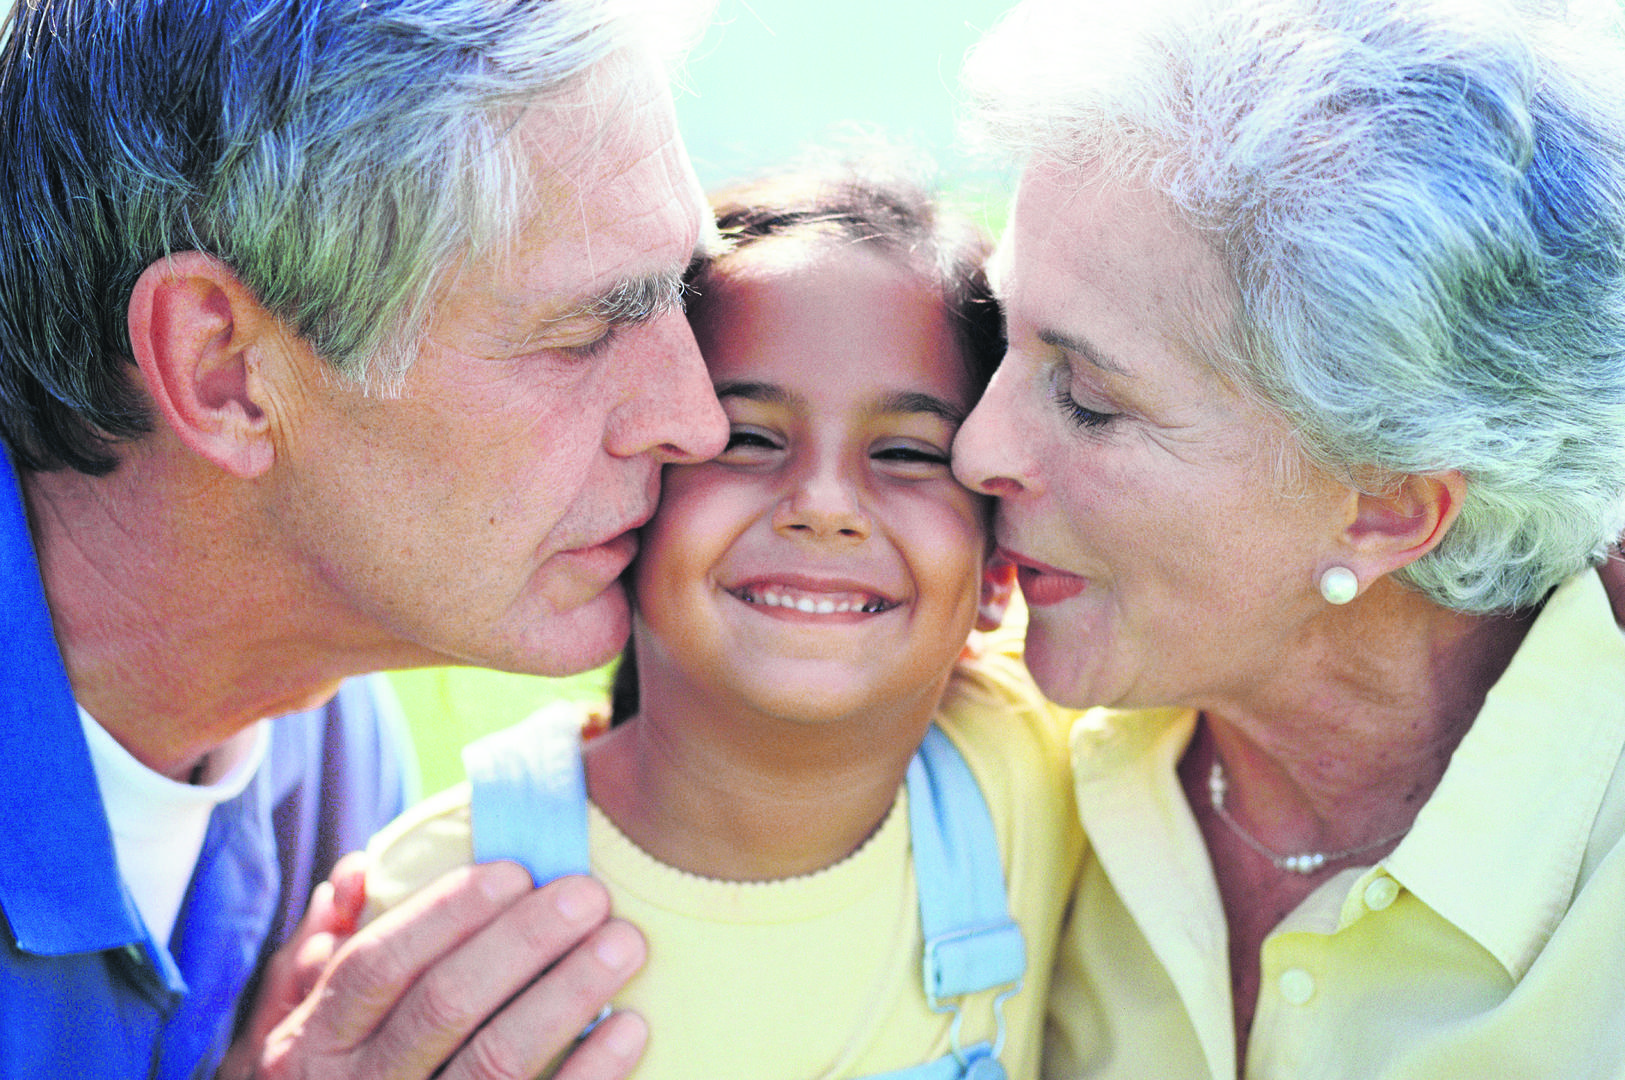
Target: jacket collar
{"points": [[59, 881]]}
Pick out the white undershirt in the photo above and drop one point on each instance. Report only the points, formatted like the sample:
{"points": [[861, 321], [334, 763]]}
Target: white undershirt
{"points": [[158, 824]]}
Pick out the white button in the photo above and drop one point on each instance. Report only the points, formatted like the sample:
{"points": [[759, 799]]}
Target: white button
{"points": [[1381, 892], [1297, 986]]}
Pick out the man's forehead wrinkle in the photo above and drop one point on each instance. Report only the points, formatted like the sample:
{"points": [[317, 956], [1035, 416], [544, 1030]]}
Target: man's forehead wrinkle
{"points": [[609, 224]]}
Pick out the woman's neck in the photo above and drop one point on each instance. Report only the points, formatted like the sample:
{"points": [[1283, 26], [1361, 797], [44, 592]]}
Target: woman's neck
{"points": [[724, 792], [1337, 754], [1349, 739]]}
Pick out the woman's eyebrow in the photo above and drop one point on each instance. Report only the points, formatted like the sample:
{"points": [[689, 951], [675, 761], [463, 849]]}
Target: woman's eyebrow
{"points": [[1082, 348]]}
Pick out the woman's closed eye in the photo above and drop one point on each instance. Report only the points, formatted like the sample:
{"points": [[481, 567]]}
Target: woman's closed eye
{"points": [[1080, 415], [1061, 384]]}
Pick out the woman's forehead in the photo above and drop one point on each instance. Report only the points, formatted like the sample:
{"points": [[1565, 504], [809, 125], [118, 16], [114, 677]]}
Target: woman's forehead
{"points": [[1090, 259]]}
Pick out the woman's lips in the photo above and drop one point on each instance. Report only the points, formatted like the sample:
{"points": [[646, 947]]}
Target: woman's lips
{"points": [[1042, 584]]}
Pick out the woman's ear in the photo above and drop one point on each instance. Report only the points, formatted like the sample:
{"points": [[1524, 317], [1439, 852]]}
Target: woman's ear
{"points": [[998, 584], [1393, 529], [1613, 579], [194, 329]]}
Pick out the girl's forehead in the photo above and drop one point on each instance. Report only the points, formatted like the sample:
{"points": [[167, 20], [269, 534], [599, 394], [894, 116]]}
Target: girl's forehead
{"points": [[845, 319]]}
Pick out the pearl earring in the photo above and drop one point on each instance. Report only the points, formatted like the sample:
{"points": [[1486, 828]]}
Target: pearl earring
{"points": [[1339, 585]]}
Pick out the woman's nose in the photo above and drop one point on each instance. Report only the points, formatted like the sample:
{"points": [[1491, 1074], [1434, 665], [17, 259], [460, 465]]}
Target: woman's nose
{"points": [[989, 450]]}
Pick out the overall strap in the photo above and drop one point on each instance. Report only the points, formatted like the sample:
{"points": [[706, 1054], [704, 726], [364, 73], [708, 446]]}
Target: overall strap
{"points": [[529, 796], [971, 943]]}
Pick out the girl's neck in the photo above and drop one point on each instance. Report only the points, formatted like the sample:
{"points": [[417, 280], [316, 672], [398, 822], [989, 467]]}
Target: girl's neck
{"points": [[727, 793]]}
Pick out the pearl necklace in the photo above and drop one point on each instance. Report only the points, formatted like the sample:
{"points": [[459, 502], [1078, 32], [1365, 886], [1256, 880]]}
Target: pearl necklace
{"points": [[1306, 862]]}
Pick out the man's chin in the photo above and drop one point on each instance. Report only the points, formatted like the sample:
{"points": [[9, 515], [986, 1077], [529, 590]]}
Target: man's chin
{"points": [[534, 639], [579, 639]]}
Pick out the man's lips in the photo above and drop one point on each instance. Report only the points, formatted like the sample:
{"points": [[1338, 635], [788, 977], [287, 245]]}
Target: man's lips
{"points": [[622, 544], [1042, 584], [607, 557]]}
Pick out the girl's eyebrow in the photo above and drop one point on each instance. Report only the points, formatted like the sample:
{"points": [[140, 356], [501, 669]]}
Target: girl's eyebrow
{"points": [[902, 402], [910, 401], [767, 393]]}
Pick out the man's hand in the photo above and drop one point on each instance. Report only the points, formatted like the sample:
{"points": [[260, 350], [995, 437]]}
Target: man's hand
{"points": [[447, 984], [292, 973]]}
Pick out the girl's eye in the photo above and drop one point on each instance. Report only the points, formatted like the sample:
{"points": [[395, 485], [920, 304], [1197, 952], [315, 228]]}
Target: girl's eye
{"points": [[908, 454], [748, 442]]}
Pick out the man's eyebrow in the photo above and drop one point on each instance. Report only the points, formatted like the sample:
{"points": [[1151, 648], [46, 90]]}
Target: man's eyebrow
{"points": [[634, 300], [1055, 339], [914, 402], [640, 299]]}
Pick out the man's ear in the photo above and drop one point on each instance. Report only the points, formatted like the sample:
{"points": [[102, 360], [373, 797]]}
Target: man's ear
{"points": [[1393, 529], [998, 584], [194, 329]]}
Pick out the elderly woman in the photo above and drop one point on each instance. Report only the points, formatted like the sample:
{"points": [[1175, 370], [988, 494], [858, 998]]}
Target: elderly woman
{"points": [[1311, 430]]}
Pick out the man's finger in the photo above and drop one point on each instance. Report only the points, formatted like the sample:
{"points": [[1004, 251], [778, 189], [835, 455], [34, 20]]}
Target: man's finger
{"points": [[349, 882], [447, 1001], [378, 966], [611, 1052], [289, 977], [546, 1019]]}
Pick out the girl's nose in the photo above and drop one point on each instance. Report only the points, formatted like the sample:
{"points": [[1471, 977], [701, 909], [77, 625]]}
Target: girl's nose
{"points": [[822, 508]]}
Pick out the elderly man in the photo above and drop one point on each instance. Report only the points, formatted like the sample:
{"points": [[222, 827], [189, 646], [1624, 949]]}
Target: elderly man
{"points": [[335, 336]]}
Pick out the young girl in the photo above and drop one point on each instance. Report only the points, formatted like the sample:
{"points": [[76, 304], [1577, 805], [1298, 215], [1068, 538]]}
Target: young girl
{"points": [[803, 604]]}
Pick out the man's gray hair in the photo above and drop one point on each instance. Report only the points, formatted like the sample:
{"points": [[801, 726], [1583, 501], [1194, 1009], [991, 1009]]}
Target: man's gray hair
{"points": [[338, 155], [1421, 206]]}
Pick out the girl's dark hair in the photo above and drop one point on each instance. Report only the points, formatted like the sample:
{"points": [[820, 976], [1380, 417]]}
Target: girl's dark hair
{"points": [[898, 215], [902, 218]]}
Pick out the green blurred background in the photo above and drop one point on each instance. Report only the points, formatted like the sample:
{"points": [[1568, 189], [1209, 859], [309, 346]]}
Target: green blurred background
{"points": [[770, 80]]}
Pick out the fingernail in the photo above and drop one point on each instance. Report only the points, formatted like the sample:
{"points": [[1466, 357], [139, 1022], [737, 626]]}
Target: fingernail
{"points": [[616, 948], [504, 881], [625, 1037], [572, 899]]}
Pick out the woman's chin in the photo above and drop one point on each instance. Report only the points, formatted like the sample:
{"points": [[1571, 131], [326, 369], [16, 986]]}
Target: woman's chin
{"points": [[1064, 668]]}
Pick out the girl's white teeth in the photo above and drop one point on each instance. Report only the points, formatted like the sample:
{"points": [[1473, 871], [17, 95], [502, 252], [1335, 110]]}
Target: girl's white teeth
{"points": [[825, 605]]}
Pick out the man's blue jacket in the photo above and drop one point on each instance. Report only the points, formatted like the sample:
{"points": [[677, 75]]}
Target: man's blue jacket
{"points": [[84, 990]]}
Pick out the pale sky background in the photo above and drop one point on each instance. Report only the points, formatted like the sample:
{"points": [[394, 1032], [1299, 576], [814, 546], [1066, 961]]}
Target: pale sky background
{"points": [[773, 76]]}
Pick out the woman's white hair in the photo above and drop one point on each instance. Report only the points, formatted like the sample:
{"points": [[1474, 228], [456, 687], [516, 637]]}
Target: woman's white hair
{"points": [[1422, 209]]}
